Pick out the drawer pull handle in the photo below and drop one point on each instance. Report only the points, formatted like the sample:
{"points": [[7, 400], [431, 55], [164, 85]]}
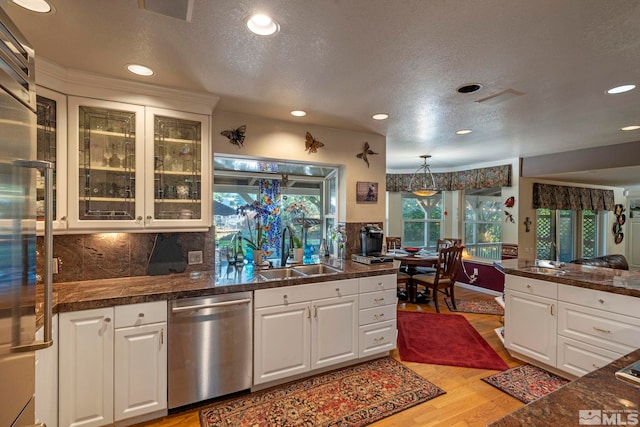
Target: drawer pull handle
{"points": [[378, 316], [379, 300], [380, 284], [602, 330], [378, 340], [140, 314], [601, 301], [528, 286]]}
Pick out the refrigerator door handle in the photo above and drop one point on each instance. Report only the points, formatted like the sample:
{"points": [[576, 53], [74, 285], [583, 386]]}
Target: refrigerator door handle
{"points": [[47, 168]]}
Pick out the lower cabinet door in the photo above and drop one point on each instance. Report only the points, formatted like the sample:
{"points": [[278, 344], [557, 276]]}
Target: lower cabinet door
{"points": [[86, 368], [281, 341], [334, 331], [140, 370]]}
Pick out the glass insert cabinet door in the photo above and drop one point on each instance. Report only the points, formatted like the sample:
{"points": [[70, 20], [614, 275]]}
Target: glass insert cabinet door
{"points": [[176, 168], [106, 152], [51, 146]]}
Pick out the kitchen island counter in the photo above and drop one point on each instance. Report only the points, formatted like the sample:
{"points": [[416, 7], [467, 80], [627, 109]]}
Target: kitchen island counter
{"points": [[83, 295], [598, 392]]}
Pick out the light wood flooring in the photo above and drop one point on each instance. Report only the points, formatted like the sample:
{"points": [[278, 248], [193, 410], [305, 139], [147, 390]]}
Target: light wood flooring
{"points": [[469, 401]]}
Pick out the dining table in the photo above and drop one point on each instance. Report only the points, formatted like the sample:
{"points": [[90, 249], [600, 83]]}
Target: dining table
{"points": [[412, 261]]}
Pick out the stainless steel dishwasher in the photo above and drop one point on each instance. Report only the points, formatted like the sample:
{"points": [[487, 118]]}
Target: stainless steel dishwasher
{"points": [[210, 347]]}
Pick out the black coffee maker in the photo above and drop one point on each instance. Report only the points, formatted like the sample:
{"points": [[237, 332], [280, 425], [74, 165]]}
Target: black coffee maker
{"points": [[371, 238]]}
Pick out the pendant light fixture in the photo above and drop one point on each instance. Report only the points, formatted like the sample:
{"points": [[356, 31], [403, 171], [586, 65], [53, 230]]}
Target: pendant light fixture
{"points": [[422, 183]]}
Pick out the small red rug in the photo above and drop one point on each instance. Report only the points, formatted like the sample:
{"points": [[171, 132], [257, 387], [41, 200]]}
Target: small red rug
{"points": [[444, 339], [349, 397], [475, 306], [526, 382]]}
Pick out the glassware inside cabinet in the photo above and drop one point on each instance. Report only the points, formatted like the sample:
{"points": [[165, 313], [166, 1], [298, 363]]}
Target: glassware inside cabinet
{"points": [[46, 149], [177, 175], [107, 164]]}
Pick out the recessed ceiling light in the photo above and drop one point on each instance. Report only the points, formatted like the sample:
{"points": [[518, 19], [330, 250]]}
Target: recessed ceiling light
{"points": [[634, 127], [463, 131], [621, 89], [380, 116], [298, 113], [39, 6], [140, 70], [469, 88], [262, 25]]}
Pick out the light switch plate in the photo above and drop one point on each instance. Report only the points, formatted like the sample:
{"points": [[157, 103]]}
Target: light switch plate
{"points": [[194, 257]]}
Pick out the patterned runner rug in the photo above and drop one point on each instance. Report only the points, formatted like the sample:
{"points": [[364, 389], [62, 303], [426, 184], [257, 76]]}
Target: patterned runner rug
{"points": [[349, 397], [526, 382], [475, 306]]}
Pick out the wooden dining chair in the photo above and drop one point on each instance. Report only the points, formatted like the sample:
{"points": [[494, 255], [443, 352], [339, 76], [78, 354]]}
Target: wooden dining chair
{"points": [[403, 281], [444, 279]]}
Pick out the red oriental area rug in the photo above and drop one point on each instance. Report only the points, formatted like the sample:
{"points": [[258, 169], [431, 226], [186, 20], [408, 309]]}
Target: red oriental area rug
{"points": [[444, 339], [475, 306], [349, 397], [526, 382]]}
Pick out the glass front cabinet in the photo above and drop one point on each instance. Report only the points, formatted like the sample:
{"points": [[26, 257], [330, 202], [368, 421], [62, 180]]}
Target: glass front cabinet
{"points": [[137, 167], [52, 147]]}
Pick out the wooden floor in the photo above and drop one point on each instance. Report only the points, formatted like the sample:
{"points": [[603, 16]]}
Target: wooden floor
{"points": [[468, 402]]}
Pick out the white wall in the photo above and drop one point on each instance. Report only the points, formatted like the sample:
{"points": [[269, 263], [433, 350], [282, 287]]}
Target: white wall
{"points": [[273, 139]]}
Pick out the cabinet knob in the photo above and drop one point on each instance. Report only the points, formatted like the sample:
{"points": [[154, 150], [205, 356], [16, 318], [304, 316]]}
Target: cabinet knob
{"points": [[149, 217], [140, 314], [107, 320], [64, 218], [601, 301], [138, 219]]}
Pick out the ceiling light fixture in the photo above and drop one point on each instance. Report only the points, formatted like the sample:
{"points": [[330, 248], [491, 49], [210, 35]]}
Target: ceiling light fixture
{"points": [[262, 25], [298, 113], [463, 132], [380, 116], [621, 89], [634, 127], [422, 183], [140, 70], [40, 6]]}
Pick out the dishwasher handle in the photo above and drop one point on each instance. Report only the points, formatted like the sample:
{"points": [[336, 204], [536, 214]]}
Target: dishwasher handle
{"points": [[212, 305]]}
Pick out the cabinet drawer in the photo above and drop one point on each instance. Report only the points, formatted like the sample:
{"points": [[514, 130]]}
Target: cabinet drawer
{"points": [[616, 303], [579, 358], [140, 314], [378, 283], [378, 338], [611, 331], [377, 314], [378, 299], [301, 293], [530, 286]]}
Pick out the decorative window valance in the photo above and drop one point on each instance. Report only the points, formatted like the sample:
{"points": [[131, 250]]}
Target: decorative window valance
{"points": [[495, 176], [572, 198]]}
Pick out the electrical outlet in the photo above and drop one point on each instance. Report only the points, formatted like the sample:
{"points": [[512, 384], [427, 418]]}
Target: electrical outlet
{"points": [[194, 257], [475, 272], [55, 265]]}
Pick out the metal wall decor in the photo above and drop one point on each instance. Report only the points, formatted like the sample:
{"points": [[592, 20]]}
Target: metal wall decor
{"points": [[366, 150], [621, 218], [311, 144], [236, 136]]}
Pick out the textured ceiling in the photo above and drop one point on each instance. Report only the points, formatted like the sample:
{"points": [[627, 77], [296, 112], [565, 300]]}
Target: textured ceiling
{"points": [[344, 60]]}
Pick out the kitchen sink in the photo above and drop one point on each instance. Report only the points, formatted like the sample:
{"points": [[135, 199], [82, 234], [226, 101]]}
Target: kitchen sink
{"points": [[545, 270], [280, 273], [312, 269]]}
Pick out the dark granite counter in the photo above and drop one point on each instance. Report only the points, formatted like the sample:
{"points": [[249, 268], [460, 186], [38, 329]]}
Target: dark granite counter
{"points": [[596, 391], [599, 278], [82, 295]]}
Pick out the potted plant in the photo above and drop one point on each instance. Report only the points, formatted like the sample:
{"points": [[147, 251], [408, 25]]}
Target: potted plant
{"points": [[257, 239]]}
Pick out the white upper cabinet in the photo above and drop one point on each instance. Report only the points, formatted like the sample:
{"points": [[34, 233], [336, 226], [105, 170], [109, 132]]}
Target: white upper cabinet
{"points": [[134, 168]]}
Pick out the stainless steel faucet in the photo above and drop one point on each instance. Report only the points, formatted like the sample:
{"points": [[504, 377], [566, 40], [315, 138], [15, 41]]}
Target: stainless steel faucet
{"points": [[284, 255]]}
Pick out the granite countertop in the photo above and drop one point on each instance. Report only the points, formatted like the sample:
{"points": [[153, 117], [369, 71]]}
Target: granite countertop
{"points": [[599, 278], [599, 390], [82, 295]]}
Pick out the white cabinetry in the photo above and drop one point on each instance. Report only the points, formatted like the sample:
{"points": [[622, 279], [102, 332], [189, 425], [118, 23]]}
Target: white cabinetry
{"points": [[133, 167], [47, 378], [377, 316], [303, 328], [531, 318], [90, 375]]}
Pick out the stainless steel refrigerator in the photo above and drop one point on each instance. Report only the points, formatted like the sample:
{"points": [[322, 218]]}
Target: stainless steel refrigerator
{"points": [[18, 168]]}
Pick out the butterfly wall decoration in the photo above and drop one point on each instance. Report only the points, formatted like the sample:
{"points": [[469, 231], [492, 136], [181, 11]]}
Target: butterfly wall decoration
{"points": [[311, 144], [366, 150], [236, 136]]}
